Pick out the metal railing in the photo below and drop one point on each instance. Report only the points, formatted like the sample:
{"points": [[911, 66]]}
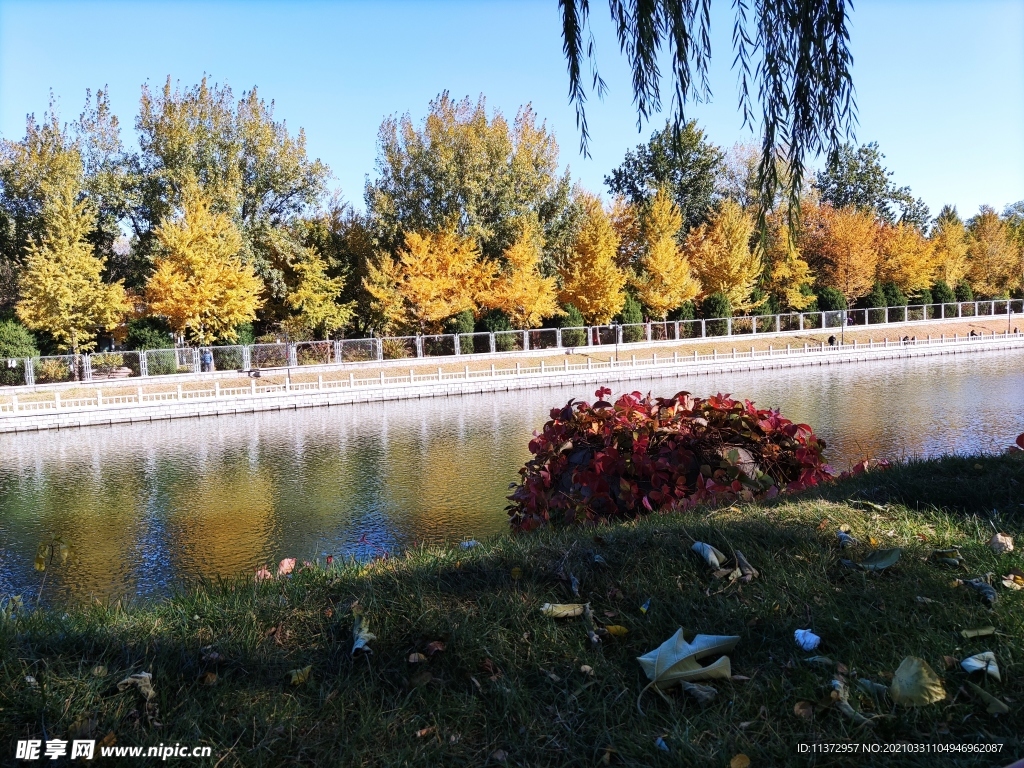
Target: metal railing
{"points": [[140, 397], [190, 360]]}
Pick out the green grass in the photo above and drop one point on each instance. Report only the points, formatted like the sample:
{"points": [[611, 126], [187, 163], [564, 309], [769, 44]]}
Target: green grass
{"points": [[534, 706]]}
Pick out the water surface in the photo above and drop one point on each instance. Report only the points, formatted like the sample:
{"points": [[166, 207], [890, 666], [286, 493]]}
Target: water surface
{"points": [[145, 506]]}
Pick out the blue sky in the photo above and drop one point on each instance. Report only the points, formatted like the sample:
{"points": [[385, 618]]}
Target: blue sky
{"points": [[940, 85]]}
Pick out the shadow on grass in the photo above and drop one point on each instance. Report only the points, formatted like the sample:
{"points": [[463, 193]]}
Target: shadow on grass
{"points": [[509, 680]]}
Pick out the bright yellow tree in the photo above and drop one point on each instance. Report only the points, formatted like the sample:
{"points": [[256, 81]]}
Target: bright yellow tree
{"points": [[625, 219], [721, 255], [592, 281], [437, 275], [61, 289], [906, 258], [315, 298], [949, 239], [841, 245], [199, 282], [388, 313], [785, 269], [665, 280], [520, 291], [995, 266]]}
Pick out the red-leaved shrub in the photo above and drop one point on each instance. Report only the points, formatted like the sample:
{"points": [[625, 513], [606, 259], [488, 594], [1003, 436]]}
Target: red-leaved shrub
{"points": [[605, 462]]}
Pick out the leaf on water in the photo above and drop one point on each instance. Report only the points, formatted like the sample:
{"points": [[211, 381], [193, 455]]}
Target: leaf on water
{"points": [[804, 710], [142, 680], [562, 610], [982, 662], [416, 658], [915, 684], [286, 566], [677, 660], [739, 761], [995, 706], [980, 632], [880, 559], [299, 676], [616, 630], [1001, 543], [711, 556], [704, 694]]}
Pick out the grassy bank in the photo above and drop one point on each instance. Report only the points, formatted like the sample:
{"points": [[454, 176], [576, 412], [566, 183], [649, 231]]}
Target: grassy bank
{"points": [[508, 688]]}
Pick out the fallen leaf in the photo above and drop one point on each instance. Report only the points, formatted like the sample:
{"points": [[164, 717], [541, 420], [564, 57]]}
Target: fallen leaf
{"points": [[107, 741], [660, 744], [980, 632], [740, 761], [749, 572], [499, 755], [983, 588], [823, 524], [995, 706], [711, 556], [416, 658], [586, 669], [676, 660], [286, 566], [299, 676], [806, 639], [425, 731], [435, 647], [915, 684], [1013, 581], [517, 572], [880, 559], [361, 634], [804, 709], [562, 610], [872, 541], [616, 630], [704, 694], [982, 662], [262, 574], [924, 600], [1001, 543], [31, 681], [420, 679], [142, 680], [949, 662], [99, 671], [208, 678]]}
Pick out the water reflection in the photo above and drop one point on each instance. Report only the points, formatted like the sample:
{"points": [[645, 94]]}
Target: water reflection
{"points": [[145, 506]]}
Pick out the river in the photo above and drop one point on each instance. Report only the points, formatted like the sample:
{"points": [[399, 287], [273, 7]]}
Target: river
{"points": [[147, 507]]}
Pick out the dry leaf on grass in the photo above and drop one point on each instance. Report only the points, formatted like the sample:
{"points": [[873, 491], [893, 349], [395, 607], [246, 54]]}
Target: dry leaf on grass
{"points": [[301, 675], [361, 634], [915, 684], [677, 660], [804, 710], [142, 680], [980, 632], [711, 556], [562, 610], [208, 678], [1001, 543], [704, 694], [982, 662], [995, 706], [416, 658], [739, 761]]}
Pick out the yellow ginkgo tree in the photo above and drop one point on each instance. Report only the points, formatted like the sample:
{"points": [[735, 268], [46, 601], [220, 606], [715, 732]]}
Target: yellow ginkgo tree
{"points": [[665, 280], [62, 290], [520, 291], [592, 281], [315, 298], [200, 283], [721, 255]]}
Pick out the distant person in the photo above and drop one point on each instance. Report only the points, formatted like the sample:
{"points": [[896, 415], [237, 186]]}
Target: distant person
{"points": [[206, 360], [973, 333], [831, 341], [906, 339]]}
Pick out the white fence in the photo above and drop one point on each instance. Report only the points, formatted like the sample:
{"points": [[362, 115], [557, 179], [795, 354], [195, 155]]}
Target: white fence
{"points": [[855, 350], [163, 362]]}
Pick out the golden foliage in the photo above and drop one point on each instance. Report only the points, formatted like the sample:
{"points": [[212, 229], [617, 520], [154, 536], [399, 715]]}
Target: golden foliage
{"points": [[592, 281], [315, 298], [785, 269], [625, 219], [520, 291], [62, 291], [841, 245], [665, 280], [949, 239], [721, 255], [437, 275], [906, 258], [995, 262], [199, 284]]}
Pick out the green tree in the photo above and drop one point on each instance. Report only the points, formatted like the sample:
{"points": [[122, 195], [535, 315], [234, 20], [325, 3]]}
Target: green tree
{"points": [[831, 300], [685, 166], [477, 175], [942, 293], [857, 178], [632, 314], [16, 340], [716, 305], [62, 291], [964, 292]]}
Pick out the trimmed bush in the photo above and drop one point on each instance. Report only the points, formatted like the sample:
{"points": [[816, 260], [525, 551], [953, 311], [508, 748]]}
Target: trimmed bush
{"points": [[716, 305], [964, 292], [149, 333], [495, 321], [894, 297], [572, 318], [16, 343], [606, 462], [688, 311], [632, 314], [831, 300], [942, 293]]}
